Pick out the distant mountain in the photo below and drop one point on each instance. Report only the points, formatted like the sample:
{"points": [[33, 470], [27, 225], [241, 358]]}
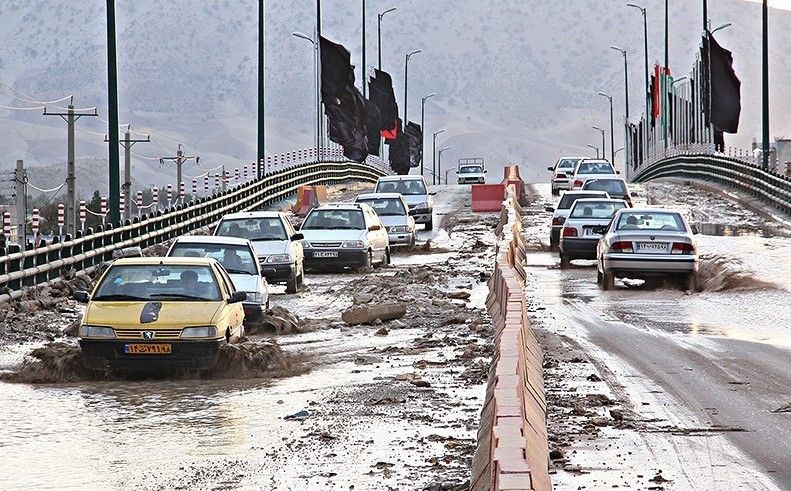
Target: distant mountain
{"points": [[516, 81]]}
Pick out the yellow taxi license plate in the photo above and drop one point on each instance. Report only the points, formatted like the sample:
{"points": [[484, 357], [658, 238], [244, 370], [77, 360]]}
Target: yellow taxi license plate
{"points": [[148, 349]]}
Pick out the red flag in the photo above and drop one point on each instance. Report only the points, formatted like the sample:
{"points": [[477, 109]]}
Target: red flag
{"points": [[655, 93], [391, 134]]}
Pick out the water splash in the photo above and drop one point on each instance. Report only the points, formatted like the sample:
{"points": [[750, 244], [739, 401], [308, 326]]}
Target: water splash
{"points": [[721, 273]]}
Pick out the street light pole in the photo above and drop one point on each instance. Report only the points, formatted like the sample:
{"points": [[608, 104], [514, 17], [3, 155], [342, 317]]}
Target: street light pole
{"points": [[406, 82], [765, 82], [434, 156], [316, 83], [595, 148], [603, 147], [439, 163], [625, 78], [423, 128], [379, 33], [260, 147], [645, 39], [364, 67], [612, 127]]}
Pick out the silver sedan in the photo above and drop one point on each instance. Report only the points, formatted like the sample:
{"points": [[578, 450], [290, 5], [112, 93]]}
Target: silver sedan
{"points": [[645, 243]]}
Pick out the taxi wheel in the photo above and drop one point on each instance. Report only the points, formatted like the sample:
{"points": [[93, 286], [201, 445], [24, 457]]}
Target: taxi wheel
{"points": [[386, 260], [565, 262], [555, 191], [430, 224], [368, 265]]}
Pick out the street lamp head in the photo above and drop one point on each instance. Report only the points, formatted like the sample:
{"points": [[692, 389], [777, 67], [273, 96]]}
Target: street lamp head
{"points": [[605, 95], [642, 9], [409, 55], [443, 149], [593, 147], [303, 36], [439, 131], [391, 9], [621, 50], [723, 26], [679, 79], [429, 95], [597, 128]]}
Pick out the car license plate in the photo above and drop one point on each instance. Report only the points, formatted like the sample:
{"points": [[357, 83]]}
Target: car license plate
{"points": [[148, 349], [652, 247], [325, 254], [589, 232]]}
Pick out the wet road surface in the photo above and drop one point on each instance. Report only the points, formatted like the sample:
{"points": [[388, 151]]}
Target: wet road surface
{"points": [[368, 426], [717, 362]]}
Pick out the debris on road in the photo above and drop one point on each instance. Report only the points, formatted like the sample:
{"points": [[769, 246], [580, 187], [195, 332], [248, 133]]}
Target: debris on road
{"points": [[364, 314]]}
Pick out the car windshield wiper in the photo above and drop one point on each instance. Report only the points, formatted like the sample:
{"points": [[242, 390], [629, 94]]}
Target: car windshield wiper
{"points": [[238, 271], [178, 295], [119, 297], [260, 239]]}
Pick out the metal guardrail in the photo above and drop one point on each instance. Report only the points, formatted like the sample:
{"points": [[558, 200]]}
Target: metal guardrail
{"points": [[43, 264], [772, 188]]}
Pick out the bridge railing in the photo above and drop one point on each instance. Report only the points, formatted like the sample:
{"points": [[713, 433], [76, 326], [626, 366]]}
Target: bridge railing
{"points": [[732, 172], [22, 269]]}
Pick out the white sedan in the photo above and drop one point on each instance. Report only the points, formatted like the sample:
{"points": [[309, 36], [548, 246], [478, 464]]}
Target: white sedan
{"points": [[645, 243], [584, 227]]}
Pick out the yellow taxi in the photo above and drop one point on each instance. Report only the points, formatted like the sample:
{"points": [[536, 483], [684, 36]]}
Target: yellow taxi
{"points": [[159, 313]]}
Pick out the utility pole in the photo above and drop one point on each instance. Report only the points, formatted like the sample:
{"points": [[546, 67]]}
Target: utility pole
{"points": [[260, 150], [127, 143], [20, 198], [112, 103], [406, 82], [71, 116], [179, 159], [705, 15], [379, 33], [765, 83]]}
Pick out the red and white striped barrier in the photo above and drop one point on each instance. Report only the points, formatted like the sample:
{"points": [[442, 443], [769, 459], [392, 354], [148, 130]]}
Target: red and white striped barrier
{"points": [[7, 224], [61, 218], [83, 215]]}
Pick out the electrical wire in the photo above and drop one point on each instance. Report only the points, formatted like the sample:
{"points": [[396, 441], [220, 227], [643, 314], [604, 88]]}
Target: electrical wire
{"points": [[29, 98], [47, 190], [22, 108]]}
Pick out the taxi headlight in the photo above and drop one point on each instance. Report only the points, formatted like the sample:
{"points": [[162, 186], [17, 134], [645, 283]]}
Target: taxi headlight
{"points": [[306, 244], [199, 332], [399, 229], [96, 332], [353, 244], [422, 206], [279, 258]]}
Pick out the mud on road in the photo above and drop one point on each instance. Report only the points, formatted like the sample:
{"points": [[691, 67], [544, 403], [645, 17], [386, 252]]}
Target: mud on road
{"points": [[385, 405]]}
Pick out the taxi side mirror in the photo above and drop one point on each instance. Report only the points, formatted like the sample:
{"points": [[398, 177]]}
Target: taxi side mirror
{"points": [[297, 236], [237, 297], [695, 230], [81, 296], [550, 168]]}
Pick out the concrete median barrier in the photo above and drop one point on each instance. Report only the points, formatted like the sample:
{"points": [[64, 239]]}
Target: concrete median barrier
{"points": [[512, 451], [487, 197]]}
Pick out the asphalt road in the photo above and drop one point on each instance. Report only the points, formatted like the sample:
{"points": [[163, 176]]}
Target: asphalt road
{"points": [[714, 364]]}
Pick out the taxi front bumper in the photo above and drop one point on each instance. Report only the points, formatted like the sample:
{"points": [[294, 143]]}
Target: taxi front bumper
{"points": [[103, 354]]}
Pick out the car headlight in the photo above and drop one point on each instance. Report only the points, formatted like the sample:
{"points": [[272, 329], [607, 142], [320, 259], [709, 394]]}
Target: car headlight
{"points": [[306, 244], [254, 297], [421, 206], [199, 332], [353, 244], [96, 332], [399, 229], [279, 258]]}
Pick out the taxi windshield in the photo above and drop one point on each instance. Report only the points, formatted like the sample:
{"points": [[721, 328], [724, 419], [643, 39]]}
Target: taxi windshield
{"points": [[236, 259], [330, 219], [253, 228], [157, 282], [404, 186], [385, 206]]}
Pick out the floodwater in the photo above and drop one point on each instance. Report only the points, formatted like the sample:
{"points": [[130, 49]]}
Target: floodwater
{"points": [[717, 357], [231, 434]]}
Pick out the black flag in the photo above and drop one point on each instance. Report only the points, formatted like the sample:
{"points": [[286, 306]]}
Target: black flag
{"points": [[382, 95], [343, 103], [725, 86], [399, 152], [415, 134]]}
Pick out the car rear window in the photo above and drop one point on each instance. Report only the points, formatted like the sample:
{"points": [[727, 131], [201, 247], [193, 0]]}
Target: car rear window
{"points": [[671, 222], [568, 199], [404, 186], [567, 163], [252, 228], [595, 168], [610, 186], [331, 219], [594, 210]]}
